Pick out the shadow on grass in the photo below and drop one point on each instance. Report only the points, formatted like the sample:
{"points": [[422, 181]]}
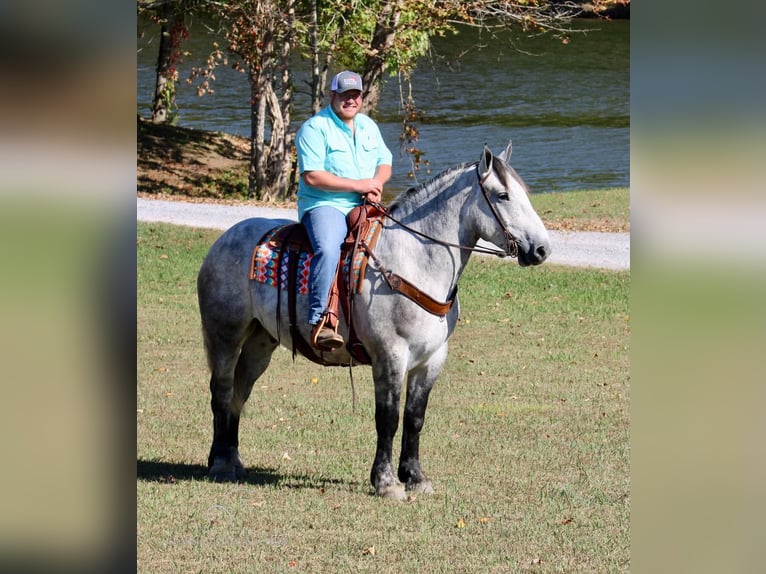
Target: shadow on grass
{"points": [[171, 472]]}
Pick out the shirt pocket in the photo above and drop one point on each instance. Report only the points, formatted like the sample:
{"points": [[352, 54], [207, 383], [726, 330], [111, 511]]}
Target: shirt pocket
{"points": [[368, 153], [370, 144], [339, 156]]}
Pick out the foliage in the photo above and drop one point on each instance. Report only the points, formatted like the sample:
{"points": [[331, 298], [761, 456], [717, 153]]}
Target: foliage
{"points": [[374, 37]]}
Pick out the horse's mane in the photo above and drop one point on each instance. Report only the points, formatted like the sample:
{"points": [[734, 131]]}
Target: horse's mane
{"points": [[440, 181]]}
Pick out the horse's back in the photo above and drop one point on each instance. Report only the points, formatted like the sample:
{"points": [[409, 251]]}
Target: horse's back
{"points": [[223, 281], [242, 237]]}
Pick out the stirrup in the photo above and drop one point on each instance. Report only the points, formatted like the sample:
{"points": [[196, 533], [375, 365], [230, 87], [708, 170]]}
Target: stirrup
{"points": [[324, 338]]}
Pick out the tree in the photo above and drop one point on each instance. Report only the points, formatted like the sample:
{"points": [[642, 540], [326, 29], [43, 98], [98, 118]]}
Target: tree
{"points": [[169, 14], [375, 37], [261, 33]]}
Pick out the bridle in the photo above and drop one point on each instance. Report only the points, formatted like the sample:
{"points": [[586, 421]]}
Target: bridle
{"points": [[512, 246], [510, 240]]}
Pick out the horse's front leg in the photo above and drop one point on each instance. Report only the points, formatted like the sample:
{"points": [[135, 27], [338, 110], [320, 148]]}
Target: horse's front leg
{"points": [[388, 387], [419, 385]]}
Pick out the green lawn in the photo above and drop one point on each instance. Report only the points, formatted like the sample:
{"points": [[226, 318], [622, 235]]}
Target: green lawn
{"points": [[526, 437]]}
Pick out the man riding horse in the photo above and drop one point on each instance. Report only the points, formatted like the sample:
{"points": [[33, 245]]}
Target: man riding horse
{"points": [[342, 160]]}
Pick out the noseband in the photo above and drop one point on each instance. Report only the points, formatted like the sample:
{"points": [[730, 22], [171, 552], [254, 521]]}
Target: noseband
{"points": [[510, 240]]}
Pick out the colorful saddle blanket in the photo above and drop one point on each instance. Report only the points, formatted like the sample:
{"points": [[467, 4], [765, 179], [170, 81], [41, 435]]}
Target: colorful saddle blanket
{"points": [[271, 262]]}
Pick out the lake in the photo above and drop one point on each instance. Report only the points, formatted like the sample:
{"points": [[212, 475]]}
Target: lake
{"points": [[566, 107]]}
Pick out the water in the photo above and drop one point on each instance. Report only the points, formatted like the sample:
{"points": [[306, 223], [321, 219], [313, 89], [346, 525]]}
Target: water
{"points": [[566, 107]]}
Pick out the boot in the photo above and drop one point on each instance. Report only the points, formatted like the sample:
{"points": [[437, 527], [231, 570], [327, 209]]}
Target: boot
{"points": [[325, 339]]}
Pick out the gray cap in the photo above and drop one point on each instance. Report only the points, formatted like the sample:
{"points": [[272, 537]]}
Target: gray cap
{"points": [[345, 81]]}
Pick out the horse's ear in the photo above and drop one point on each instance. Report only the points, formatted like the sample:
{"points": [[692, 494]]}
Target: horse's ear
{"points": [[485, 163], [506, 155]]}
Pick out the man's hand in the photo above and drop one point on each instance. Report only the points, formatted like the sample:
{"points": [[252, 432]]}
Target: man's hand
{"points": [[372, 189]]}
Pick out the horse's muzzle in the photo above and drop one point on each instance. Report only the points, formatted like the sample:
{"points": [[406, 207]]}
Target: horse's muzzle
{"points": [[534, 255]]}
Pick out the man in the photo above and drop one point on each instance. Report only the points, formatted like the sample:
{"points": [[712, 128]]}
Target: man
{"points": [[342, 159]]}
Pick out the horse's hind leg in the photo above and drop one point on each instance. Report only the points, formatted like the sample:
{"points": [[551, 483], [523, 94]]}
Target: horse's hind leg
{"points": [[419, 385], [234, 370]]}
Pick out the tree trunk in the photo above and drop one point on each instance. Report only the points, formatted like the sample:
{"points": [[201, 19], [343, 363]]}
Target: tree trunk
{"points": [[316, 92], [258, 178], [382, 40], [164, 90], [271, 97], [282, 166]]}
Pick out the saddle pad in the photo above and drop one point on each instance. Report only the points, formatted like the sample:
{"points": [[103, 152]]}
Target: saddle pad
{"points": [[270, 267], [270, 264]]}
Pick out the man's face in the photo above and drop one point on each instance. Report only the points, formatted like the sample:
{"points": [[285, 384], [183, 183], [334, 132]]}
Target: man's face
{"points": [[347, 104]]}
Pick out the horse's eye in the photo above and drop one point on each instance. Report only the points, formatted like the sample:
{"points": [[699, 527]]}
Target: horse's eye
{"points": [[503, 196]]}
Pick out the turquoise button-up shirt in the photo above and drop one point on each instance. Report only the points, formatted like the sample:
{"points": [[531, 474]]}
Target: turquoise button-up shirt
{"points": [[325, 143]]}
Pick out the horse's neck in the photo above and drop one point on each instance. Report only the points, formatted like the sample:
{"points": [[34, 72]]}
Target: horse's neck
{"points": [[437, 216]]}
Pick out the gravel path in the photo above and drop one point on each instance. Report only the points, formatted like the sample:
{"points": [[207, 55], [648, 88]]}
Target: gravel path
{"points": [[581, 249]]}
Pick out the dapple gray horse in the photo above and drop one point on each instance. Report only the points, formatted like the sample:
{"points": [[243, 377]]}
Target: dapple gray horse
{"points": [[427, 239]]}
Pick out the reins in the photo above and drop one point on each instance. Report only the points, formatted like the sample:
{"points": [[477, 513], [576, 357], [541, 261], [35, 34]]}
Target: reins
{"points": [[512, 250]]}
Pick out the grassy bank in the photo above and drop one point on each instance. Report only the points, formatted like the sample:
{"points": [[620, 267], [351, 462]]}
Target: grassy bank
{"points": [[526, 437], [183, 163]]}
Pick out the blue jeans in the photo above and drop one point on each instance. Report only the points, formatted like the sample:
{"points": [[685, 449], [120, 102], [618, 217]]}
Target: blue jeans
{"points": [[326, 227]]}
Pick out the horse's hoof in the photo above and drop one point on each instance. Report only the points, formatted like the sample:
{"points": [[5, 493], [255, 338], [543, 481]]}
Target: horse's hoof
{"points": [[223, 476], [223, 470], [422, 487], [392, 492]]}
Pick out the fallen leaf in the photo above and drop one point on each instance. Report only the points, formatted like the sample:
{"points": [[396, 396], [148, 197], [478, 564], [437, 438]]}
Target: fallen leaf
{"points": [[460, 523], [370, 551], [286, 456], [314, 380], [484, 520], [163, 256], [292, 563]]}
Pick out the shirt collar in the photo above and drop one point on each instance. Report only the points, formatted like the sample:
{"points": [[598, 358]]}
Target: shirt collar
{"points": [[339, 122]]}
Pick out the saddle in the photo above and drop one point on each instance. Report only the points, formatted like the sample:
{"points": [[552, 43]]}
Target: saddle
{"points": [[282, 258]]}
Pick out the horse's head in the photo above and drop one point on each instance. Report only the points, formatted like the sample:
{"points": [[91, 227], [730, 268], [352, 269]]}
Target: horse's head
{"points": [[511, 220]]}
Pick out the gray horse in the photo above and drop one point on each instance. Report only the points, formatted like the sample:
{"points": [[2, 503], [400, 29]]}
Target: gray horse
{"points": [[427, 239]]}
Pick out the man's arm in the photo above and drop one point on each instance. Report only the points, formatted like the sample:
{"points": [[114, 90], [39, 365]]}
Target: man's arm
{"points": [[371, 188]]}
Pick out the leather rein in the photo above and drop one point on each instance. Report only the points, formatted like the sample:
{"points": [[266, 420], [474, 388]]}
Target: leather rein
{"points": [[512, 250], [398, 283]]}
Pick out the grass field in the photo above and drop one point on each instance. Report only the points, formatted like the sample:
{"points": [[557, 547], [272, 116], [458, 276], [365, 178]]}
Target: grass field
{"points": [[526, 437]]}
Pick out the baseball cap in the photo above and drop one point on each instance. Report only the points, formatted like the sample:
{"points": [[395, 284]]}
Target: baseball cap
{"points": [[345, 81]]}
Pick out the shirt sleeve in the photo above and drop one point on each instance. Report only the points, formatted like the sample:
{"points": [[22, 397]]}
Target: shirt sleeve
{"points": [[310, 145]]}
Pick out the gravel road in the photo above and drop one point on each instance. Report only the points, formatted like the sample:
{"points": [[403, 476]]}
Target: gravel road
{"points": [[580, 249]]}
